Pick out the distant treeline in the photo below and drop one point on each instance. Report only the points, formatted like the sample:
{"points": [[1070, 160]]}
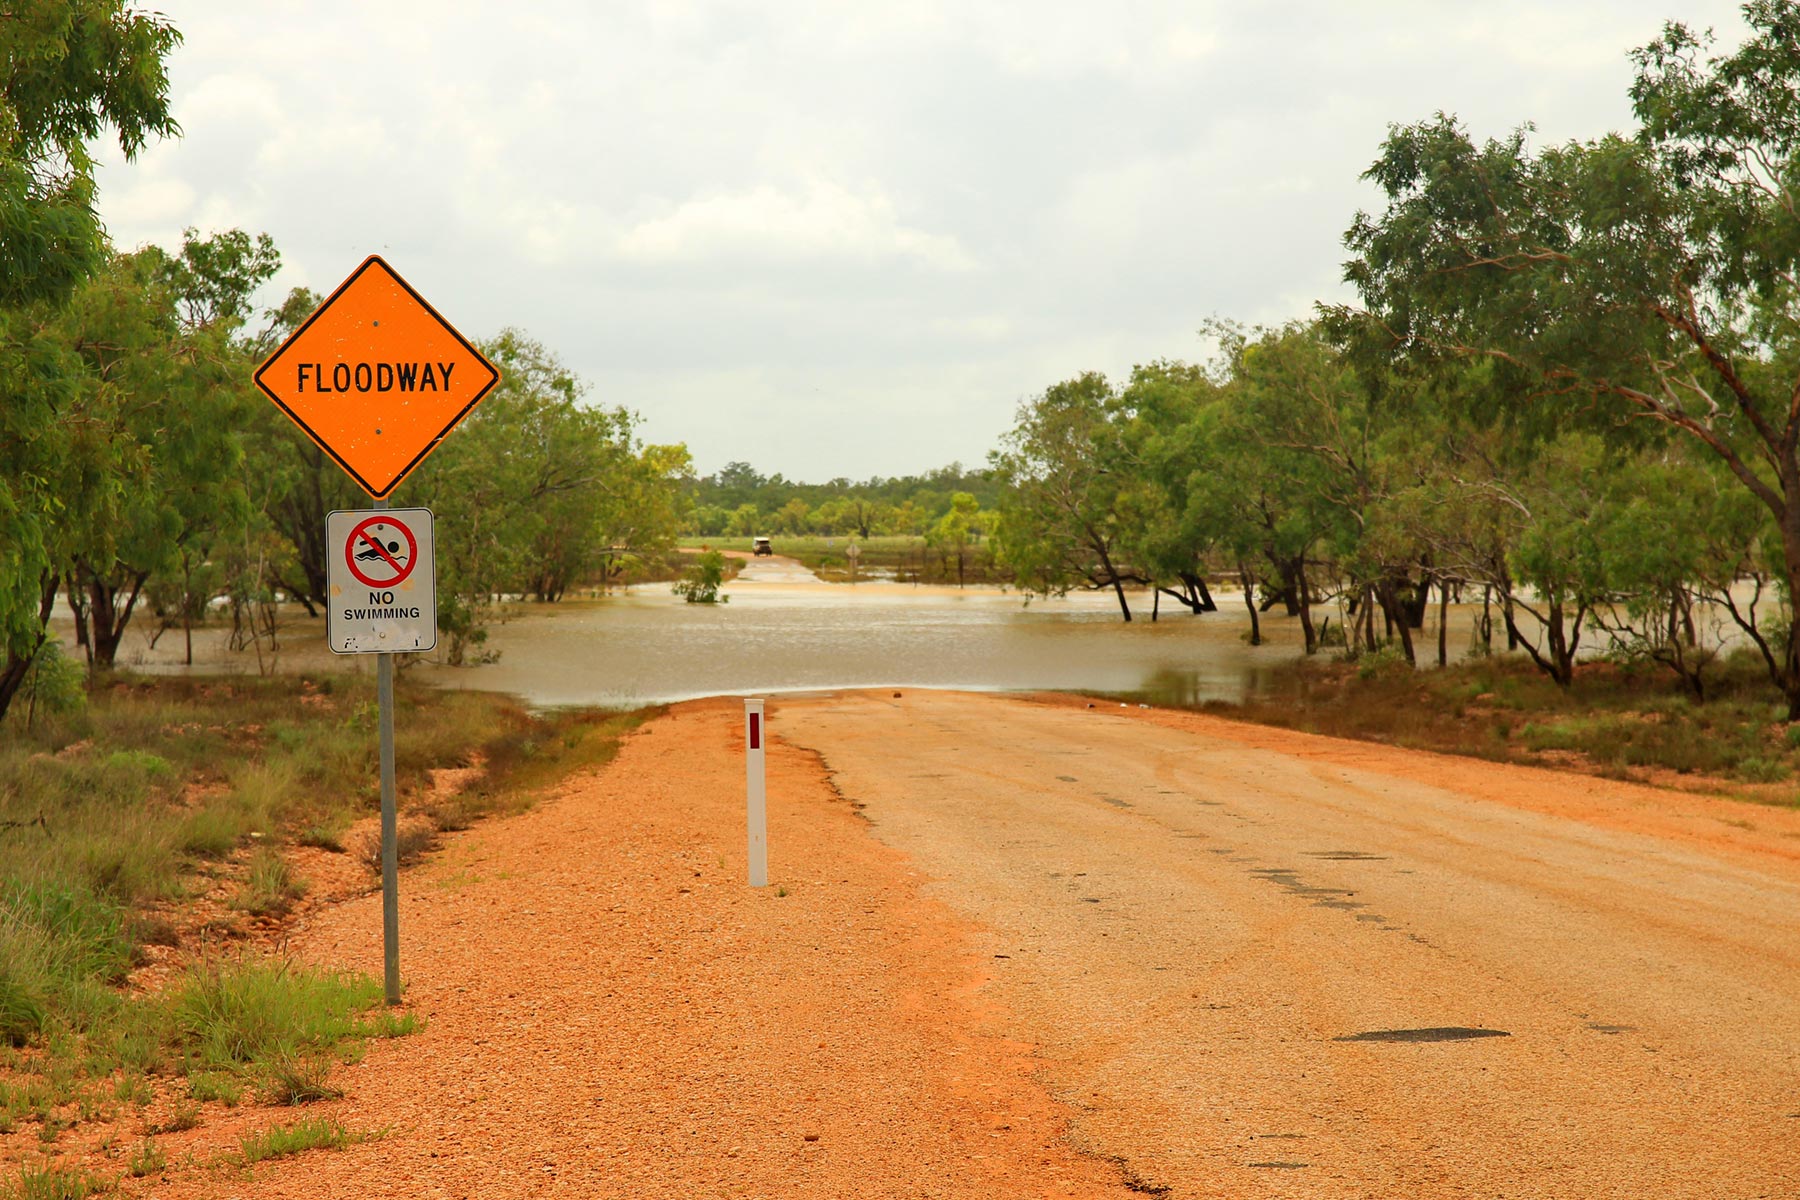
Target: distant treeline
{"points": [[738, 501]]}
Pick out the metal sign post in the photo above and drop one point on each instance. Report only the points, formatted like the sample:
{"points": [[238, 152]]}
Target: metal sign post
{"points": [[756, 807], [390, 824]]}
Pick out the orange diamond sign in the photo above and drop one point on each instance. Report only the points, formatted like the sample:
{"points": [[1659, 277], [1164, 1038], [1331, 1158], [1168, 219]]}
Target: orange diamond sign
{"points": [[376, 377]]}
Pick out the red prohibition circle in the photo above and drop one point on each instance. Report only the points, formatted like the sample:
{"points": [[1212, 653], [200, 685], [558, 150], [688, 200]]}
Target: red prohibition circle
{"points": [[400, 572]]}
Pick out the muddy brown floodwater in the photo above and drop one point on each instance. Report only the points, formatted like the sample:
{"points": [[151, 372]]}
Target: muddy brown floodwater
{"points": [[785, 631], [1054, 947]]}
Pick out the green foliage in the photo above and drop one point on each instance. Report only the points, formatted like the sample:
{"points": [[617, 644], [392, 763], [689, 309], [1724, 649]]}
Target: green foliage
{"points": [[91, 833], [738, 501], [1060, 523], [1653, 274], [209, 1086], [1618, 722], [958, 531], [301, 1079], [537, 492], [703, 579], [74, 67], [54, 684], [21, 1013], [1384, 663]]}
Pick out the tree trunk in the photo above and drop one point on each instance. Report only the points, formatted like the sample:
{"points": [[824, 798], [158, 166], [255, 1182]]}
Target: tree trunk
{"points": [[78, 606], [1112, 574], [110, 616], [1393, 610], [187, 606], [1418, 598], [1310, 635], [1513, 637], [1203, 601], [1193, 594], [12, 673], [1250, 603], [1292, 582], [1561, 655], [1443, 622], [1119, 590], [1562, 640]]}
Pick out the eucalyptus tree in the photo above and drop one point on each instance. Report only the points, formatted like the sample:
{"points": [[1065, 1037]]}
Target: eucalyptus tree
{"points": [[1060, 524], [1164, 450], [159, 336], [1656, 273], [169, 399], [536, 491], [956, 531], [69, 71], [1682, 542], [1309, 458], [644, 504]]}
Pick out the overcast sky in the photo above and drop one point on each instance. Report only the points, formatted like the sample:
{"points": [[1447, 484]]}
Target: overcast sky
{"points": [[843, 239]]}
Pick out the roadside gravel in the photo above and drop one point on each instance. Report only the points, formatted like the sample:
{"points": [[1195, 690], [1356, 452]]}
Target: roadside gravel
{"points": [[612, 1012]]}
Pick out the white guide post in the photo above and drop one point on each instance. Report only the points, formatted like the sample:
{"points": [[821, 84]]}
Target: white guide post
{"points": [[757, 816]]}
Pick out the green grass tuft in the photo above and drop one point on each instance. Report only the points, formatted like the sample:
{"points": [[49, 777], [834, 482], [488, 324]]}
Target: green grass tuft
{"points": [[146, 1160], [228, 1015], [270, 889], [281, 1141], [49, 1182], [301, 1079]]}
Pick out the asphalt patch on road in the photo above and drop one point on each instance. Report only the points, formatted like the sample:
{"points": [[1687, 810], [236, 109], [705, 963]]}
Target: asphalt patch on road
{"points": [[1291, 880], [1436, 1033]]}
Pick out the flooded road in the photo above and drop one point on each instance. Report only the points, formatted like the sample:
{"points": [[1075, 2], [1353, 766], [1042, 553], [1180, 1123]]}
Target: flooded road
{"points": [[788, 635], [784, 631]]}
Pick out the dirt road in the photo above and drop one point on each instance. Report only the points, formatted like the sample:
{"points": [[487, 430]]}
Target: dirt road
{"points": [[1074, 951], [1234, 956]]}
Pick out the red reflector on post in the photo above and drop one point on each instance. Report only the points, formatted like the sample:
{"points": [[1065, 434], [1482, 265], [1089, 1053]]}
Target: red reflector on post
{"points": [[756, 731]]}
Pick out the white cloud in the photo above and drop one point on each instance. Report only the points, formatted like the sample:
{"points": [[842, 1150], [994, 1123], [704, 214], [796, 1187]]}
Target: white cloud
{"points": [[822, 219], [881, 223], [150, 204]]}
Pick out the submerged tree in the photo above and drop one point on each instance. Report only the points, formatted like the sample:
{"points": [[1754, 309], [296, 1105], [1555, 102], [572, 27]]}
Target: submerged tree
{"points": [[1060, 526], [1658, 273]]}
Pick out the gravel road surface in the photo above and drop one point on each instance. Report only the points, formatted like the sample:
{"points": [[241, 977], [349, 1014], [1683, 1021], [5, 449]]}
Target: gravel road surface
{"points": [[1265, 964]]}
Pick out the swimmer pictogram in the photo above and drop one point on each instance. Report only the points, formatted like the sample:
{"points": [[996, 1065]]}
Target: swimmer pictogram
{"points": [[381, 552]]}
